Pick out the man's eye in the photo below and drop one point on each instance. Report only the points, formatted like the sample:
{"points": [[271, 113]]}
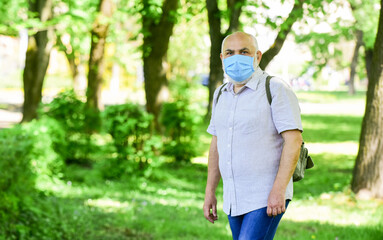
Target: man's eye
{"points": [[244, 52]]}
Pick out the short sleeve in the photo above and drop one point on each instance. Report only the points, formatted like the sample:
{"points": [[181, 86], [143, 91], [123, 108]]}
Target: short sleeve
{"points": [[211, 128], [285, 108]]}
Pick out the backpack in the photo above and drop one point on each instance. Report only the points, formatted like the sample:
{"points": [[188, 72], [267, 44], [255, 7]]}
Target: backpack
{"points": [[304, 161]]}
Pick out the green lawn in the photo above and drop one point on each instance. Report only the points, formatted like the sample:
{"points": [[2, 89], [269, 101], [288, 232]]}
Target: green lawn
{"points": [[169, 204]]}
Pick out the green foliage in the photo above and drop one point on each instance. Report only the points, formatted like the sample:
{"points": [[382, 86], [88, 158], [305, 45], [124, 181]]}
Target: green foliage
{"points": [[29, 157], [180, 123], [319, 44], [68, 109], [74, 23], [130, 127], [72, 114], [17, 178], [168, 204], [12, 16], [48, 137], [366, 14]]}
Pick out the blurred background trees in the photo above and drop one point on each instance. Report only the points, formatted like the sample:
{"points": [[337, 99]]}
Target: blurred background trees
{"points": [[122, 86]]}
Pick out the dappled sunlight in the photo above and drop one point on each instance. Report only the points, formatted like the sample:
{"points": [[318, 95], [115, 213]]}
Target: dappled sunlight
{"points": [[200, 160], [107, 204], [335, 209], [347, 148], [353, 109]]}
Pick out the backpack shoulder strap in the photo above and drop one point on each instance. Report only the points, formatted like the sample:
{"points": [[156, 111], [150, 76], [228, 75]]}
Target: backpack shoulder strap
{"points": [[220, 92], [268, 93]]}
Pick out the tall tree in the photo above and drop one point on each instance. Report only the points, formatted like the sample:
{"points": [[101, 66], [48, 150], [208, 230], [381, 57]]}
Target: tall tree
{"points": [[365, 33], [37, 58], [368, 175], [96, 58], [216, 36], [157, 25]]}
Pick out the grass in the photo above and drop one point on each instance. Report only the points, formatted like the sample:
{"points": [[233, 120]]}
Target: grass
{"points": [[168, 205]]}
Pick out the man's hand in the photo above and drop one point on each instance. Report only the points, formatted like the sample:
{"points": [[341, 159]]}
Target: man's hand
{"points": [[290, 154], [210, 208], [276, 203]]}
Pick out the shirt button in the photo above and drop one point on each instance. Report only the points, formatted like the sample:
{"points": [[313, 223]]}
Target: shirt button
{"points": [[230, 128], [228, 145]]}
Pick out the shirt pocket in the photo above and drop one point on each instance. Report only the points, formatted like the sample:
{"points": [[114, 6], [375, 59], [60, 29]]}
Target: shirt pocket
{"points": [[253, 118]]}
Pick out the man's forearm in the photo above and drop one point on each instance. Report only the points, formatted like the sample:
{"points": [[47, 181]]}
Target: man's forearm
{"points": [[213, 176], [289, 158]]}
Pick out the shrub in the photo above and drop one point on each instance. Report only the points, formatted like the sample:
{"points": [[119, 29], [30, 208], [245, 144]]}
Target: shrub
{"points": [[28, 158], [17, 179], [48, 141], [180, 123], [130, 127], [68, 109]]}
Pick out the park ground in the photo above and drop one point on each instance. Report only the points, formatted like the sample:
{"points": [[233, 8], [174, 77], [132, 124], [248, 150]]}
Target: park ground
{"points": [[168, 205]]}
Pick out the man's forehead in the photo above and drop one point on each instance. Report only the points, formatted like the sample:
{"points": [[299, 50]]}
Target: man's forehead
{"points": [[238, 42]]}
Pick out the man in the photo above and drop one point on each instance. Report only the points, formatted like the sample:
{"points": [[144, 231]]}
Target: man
{"points": [[255, 145]]}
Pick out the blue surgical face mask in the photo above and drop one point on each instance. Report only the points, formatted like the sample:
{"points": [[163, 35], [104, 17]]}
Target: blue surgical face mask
{"points": [[239, 67]]}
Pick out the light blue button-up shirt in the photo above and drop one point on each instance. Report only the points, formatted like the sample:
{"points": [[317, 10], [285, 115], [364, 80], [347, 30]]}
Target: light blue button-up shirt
{"points": [[249, 141]]}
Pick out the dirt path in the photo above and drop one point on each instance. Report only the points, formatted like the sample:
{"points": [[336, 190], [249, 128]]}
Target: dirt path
{"points": [[11, 102]]}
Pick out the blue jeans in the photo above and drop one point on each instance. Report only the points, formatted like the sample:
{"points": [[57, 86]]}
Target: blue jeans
{"points": [[255, 225]]}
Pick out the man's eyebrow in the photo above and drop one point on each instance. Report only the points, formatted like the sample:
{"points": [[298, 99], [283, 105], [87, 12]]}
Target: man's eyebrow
{"points": [[242, 49]]}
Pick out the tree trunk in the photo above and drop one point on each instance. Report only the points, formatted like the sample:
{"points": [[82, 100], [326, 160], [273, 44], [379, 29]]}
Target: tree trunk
{"points": [[75, 65], [368, 61], [96, 58], [354, 62], [37, 60], [155, 46], [368, 175], [295, 14], [216, 38]]}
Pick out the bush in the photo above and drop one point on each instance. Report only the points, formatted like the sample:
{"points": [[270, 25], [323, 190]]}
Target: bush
{"points": [[180, 122], [48, 145], [68, 109], [17, 179], [28, 158], [130, 127]]}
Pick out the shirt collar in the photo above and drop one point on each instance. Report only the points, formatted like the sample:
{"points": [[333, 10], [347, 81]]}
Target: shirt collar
{"points": [[255, 79], [252, 84]]}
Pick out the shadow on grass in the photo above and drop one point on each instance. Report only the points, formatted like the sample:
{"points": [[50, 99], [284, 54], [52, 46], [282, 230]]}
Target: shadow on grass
{"points": [[328, 129], [291, 230]]}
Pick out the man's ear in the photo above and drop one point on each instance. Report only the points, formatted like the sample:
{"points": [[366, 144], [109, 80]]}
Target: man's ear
{"points": [[221, 56], [259, 56]]}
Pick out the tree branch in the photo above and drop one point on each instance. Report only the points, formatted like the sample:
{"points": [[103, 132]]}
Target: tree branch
{"points": [[295, 14]]}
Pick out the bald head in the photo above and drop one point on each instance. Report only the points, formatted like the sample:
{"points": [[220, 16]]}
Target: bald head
{"points": [[240, 36]]}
